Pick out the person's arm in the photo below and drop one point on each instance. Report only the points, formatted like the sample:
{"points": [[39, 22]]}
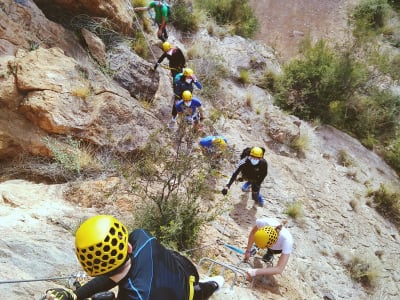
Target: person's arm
{"points": [[250, 242], [278, 269], [159, 61], [96, 285], [144, 8], [234, 175], [196, 82]]}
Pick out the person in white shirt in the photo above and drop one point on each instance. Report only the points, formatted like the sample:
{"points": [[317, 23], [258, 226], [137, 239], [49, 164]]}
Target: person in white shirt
{"points": [[269, 233]]}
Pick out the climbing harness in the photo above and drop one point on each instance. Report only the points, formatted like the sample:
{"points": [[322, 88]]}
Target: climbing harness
{"points": [[169, 68]]}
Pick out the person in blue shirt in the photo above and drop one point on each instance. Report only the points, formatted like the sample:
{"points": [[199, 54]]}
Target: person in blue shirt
{"points": [[213, 146], [161, 17], [189, 109], [136, 262], [184, 81]]}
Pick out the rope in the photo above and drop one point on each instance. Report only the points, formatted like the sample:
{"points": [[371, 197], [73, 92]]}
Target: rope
{"points": [[38, 279], [143, 33]]}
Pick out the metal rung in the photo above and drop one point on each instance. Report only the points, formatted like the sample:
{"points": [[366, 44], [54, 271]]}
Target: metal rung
{"points": [[234, 269]]}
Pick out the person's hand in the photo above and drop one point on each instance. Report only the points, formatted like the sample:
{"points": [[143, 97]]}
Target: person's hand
{"points": [[247, 255], [251, 273], [59, 294], [224, 190], [155, 66]]}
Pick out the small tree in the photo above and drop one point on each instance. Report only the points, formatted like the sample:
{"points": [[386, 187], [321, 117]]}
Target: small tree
{"points": [[171, 184]]}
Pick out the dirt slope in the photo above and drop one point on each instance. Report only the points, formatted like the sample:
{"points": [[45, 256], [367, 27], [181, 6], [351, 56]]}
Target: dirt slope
{"points": [[284, 23]]}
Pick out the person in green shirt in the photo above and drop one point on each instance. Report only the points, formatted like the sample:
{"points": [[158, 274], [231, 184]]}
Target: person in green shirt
{"points": [[161, 17]]}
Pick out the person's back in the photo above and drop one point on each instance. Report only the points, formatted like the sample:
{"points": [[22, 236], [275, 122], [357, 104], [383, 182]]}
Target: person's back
{"points": [[155, 271]]}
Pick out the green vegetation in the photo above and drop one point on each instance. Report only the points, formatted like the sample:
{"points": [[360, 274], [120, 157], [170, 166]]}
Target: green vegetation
{"points": [[320, 83], [294, 210], [364, 270], [237, 13], [369, 18], [387, 203], [172, 185], [333, 86], [183, 18], [67, 154]]}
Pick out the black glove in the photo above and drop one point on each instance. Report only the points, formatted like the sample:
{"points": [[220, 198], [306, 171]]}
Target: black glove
{"points": [[60, 294], [155, 66], [224, 191]]}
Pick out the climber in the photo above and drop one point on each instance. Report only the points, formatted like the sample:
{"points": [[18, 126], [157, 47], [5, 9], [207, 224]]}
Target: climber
{"points": [[189, 109], [175, 56], [136, 262], [254, 169], [161, 17], [269, 233], [184, 81], [213, 147]]}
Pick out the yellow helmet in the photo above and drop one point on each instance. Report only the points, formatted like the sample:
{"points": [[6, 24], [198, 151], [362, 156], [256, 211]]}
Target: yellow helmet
{"points": [[101, 245], [166, 46], [265, 237], [256, 152], [187, 95], [220, 143], [188, 72]]}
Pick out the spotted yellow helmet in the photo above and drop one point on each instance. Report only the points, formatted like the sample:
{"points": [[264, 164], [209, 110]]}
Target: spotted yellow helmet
{"points": [[265, 237], [101, 245], [187, 95], [188, 72], [256, 152], [166, 46]]}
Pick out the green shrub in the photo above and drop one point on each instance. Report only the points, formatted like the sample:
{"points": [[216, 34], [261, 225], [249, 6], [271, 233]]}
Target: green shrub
{"points": [[369, 16], [309, 84], [388, 64], [232, 12], [268, 81], [387, 201], [244, 76], [140, 46], [182, 17], [364, 270], [294, 210], [66, 153], [392, 154], [171, 185], [375, 114]]}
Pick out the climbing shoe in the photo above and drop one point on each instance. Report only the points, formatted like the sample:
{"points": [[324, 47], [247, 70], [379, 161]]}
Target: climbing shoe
{"points": [[260, 200], [246, 186]]}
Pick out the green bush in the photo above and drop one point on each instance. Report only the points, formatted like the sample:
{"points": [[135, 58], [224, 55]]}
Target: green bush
{"points": [[392, 154], [310, 84], [374, 114], [232, 12], [369, 17], [387, 201], [182, 17], [171, 185]]}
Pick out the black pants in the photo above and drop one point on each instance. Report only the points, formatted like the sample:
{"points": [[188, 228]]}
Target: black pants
{"points": [[164, 33], [174, 111]]}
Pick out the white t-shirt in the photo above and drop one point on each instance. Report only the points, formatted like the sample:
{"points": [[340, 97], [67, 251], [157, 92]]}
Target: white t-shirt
{"points": [[285, 239]]}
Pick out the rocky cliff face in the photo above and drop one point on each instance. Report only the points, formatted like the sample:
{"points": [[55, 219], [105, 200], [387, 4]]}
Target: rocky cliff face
{"points": [[50, 87]]}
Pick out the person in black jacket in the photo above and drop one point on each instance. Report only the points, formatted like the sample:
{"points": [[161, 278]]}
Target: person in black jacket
{"points": [[136, 262], [175, 56], [254, 169]]}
